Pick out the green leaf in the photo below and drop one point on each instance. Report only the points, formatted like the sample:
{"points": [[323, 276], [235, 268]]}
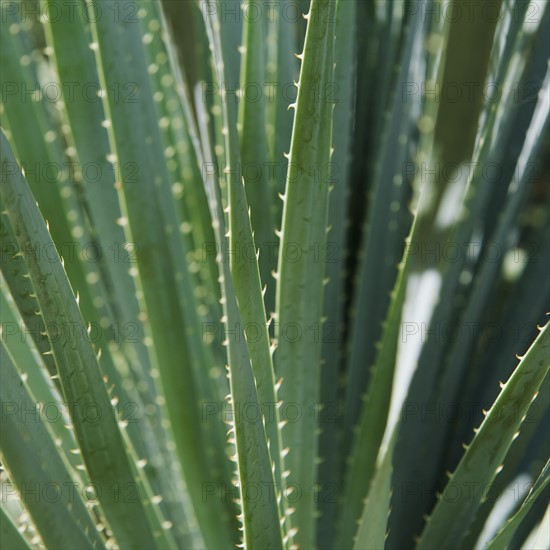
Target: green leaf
{"points": [[486, 452], [542, 537], [254, 158], [37, 139], [375, 403], [14, 271], [372, 525], [250, 367], [69, 38], [300, 285], [504, 536], [10, 535], [101, 443], [34, 464], [387, 224], [185, 172], [39, 381], [246, 268], [282, 69], [433, 383], [332, 335], [174, 324]]}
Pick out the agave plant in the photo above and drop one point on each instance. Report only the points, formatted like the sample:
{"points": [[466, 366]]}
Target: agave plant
{"points": [[264, 265]]}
